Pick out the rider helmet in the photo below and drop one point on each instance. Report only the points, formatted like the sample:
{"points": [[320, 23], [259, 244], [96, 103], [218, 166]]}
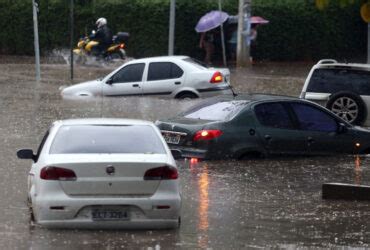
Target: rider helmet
{"points": [[100, 22]]}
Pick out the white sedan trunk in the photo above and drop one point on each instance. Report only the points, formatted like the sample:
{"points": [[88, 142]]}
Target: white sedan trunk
{"points": [[93, 177]]}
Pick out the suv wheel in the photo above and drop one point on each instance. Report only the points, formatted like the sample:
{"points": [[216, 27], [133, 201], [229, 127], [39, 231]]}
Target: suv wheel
{"points": [[348, 106]]}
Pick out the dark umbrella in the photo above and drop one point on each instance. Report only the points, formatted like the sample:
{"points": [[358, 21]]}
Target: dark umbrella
{"points": [[211, 20]]}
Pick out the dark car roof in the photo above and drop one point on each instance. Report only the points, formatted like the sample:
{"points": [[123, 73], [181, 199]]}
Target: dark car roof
{"points": [[237, 104], [249, 99], [255, 97]]}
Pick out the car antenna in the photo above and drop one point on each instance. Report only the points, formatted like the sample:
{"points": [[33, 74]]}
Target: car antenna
{"points": [[232, 90]]}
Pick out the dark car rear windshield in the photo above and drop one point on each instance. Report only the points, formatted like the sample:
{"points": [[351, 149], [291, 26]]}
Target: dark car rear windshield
{"points": [[333, 80], [102, 139], [216, 111]]}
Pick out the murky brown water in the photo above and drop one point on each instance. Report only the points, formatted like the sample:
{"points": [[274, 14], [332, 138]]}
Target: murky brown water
{"points": [[226, 204]]}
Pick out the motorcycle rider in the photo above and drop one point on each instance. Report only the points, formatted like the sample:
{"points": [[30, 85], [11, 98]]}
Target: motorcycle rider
{"points": [[103, 35]]}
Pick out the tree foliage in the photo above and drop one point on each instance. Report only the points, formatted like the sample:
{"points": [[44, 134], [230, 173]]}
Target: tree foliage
{"points": [[297, 29]]}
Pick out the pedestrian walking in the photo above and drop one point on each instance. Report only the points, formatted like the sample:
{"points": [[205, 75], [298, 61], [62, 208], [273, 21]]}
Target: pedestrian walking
{"points": [[232, 42], [207, 43], [255, 22], [251, 40], [207, 27]]}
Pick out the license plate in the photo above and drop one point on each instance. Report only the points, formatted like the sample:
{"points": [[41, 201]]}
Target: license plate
{"points": [[171, 138], [109, 214]]}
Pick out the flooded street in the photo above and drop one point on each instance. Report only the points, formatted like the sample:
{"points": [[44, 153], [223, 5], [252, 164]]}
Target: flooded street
{"points": [[226, 204]]}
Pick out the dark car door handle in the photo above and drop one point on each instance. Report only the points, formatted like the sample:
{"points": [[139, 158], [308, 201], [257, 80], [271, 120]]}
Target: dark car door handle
{"points": [[177, 83], [267, 137], [135, 85]]}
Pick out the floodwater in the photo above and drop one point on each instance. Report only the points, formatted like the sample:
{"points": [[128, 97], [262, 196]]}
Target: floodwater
{"points": [[267, 203]]}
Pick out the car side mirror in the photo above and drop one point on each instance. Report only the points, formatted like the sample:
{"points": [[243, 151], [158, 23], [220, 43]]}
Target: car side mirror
{"points": [[109, 81], [342, 128], [26, 154], [176, 153]]}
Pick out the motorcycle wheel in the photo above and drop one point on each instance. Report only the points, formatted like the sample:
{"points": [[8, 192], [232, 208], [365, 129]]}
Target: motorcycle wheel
{"points": [[118, 54], [122, 53]]}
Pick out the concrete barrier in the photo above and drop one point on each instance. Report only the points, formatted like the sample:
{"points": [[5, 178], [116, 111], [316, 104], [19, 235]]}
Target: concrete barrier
{"points": [[343, 191]]}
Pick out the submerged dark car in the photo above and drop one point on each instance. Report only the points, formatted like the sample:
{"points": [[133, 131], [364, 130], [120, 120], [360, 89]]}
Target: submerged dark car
{"points": [[261, 125]]}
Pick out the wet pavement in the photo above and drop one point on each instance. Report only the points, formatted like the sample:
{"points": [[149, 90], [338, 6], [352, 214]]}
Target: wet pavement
{"points": [[274, 203]]}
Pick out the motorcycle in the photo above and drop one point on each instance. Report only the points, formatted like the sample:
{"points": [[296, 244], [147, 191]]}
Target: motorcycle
{"points": [[114, 51]]}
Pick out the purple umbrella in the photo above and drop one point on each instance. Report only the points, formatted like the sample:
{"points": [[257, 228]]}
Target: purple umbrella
{"points": [[258, 20], [211, 20]]}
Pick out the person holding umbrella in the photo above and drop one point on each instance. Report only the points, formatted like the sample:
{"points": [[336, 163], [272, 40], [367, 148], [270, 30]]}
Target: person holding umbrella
{"points": [[254, 21], [207, 43], [206, 26]]}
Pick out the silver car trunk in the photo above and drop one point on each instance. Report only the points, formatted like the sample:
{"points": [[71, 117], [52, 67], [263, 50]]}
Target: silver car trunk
{"points": [[108, 175]]}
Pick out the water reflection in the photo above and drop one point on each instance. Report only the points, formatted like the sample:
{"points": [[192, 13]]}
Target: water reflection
{"points": [[358, 171], [203, 185], [199, 171], [203, 224]]}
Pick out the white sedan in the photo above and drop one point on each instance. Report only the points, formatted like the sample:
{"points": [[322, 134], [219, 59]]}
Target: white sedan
{"points": [[104, 173], [175, 76]]}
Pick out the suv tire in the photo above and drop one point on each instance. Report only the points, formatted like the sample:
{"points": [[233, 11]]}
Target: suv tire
{"points": [[348, 106]]}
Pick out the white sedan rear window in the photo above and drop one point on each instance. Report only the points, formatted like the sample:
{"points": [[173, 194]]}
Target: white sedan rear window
{"points": [[103, 139]]}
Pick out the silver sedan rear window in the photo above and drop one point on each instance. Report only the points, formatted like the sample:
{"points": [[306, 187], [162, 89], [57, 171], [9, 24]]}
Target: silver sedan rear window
{"points": [[106, 139]]}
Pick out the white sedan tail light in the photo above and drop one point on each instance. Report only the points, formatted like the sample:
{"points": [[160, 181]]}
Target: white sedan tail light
{"points": [[217, 77], [57, 174], [161, 173]]}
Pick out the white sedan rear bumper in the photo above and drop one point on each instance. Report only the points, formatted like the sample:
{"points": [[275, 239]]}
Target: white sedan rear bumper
{"points": [[137, 224], [76, 212]]}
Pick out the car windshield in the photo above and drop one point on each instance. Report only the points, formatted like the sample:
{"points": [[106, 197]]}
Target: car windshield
{"points": [[216, 111], [195, 62], [106, 139]]}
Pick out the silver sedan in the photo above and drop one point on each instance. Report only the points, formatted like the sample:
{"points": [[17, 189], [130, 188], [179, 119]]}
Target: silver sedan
{"points": [[104, 173], [175, 76]]}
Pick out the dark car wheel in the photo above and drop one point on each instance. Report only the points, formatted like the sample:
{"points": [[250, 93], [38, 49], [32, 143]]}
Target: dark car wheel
{"points": [[187, 96], [250, 156], [365, 151], [348, 106]]}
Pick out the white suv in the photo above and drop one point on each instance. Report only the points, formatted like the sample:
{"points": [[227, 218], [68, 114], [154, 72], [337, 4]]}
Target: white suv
{"points": [[344, 88]]}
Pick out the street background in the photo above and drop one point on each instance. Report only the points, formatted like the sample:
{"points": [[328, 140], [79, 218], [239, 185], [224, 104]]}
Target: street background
{"points": [[226, 204]]}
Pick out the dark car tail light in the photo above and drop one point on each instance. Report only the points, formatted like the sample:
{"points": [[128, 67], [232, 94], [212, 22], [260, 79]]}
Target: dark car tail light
{"points": [[161, 173], [57, 174], [206, 135], [122, 46], [216, 78]]}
